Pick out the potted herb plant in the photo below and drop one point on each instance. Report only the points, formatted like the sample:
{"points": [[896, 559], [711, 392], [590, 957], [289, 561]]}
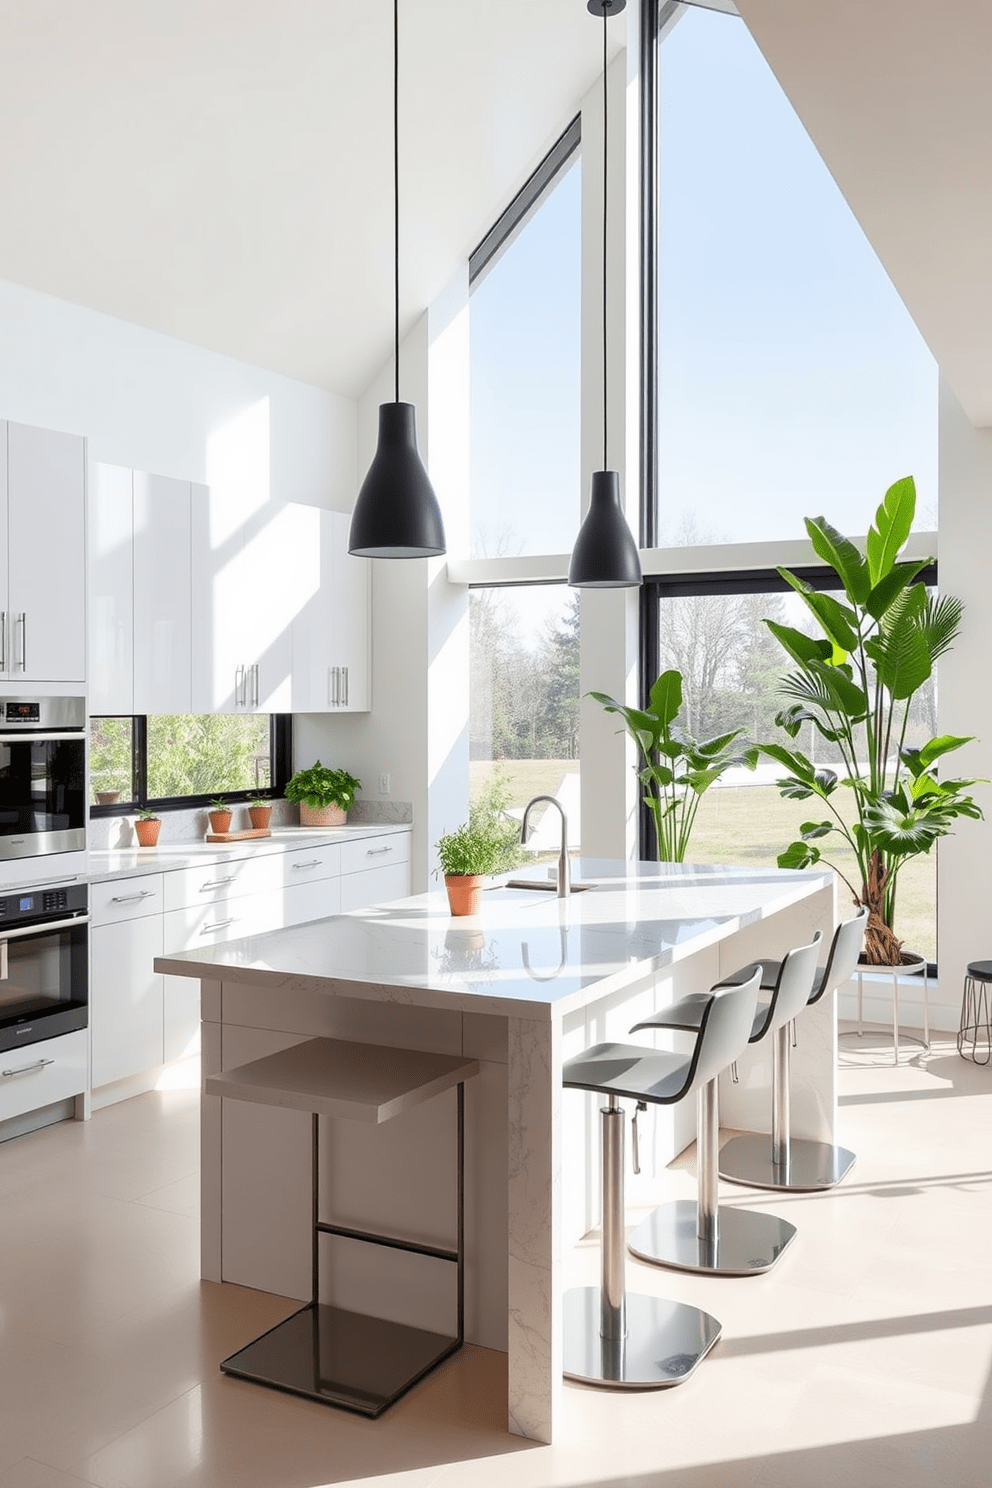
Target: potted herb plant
{"points": [[259, 812], [855, 686], [489, 842], [220, 815], [147, 827], [675, 770], [323, 795]]}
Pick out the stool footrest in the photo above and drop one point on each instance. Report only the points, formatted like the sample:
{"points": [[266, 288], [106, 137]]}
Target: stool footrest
{"points": [[341, 1358], [369, 1237]]}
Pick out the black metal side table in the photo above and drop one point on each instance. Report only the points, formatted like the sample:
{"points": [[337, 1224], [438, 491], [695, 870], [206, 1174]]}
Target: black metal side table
{"points": [[976, 1013], [325, 1352]]}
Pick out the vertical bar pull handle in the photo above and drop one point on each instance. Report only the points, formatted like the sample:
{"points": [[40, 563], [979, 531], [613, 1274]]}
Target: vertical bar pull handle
{"points": [[3, 640], [345, 670], [239, 686], [22, 621]]}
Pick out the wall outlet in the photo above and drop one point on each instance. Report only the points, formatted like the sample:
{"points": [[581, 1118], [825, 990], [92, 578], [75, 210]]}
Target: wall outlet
{"points": [[384, 784]]}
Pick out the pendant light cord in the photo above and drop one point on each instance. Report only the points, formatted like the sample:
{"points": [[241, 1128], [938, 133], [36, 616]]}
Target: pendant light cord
{"points": [[605, 219], [396, 192]]}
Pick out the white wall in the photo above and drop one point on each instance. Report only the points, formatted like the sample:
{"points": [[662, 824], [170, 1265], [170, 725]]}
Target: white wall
{"points": [[154, 403], [964, 701]]}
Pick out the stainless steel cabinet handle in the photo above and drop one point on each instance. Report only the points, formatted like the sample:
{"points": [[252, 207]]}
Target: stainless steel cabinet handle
{"points": [[22, 621], [26, 1069], [254, 685], [20, 738], [375, 852], [335, 686], [4, 968], [314, 864], [129, 898], [217, 883], [239, 686], [69, 923], [345, 670], [3, 640], [219, 925]]}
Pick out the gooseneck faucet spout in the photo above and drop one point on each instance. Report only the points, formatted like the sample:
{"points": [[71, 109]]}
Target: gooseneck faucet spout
{"points": [[564, 878]]}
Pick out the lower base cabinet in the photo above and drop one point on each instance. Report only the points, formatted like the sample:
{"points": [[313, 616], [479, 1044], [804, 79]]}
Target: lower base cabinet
{"points": [[127, 1001]]}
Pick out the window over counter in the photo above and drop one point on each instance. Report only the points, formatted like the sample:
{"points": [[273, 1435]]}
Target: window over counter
{"points": [[185, 759]]}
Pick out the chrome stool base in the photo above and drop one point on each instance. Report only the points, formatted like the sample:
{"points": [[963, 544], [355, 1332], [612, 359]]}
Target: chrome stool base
{"points": [[811, 1165], [746, 1241], [663, 1344]]}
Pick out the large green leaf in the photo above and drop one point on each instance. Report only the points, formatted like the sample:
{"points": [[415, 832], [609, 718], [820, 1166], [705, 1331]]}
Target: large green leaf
{"points": [[665, 698], [888, 589], [798, 855], [922, 759], [792, 760], [838, 621], [940, 622], [843, 557], [801, 647], [902, 659], [815, 829], [893, 520]]}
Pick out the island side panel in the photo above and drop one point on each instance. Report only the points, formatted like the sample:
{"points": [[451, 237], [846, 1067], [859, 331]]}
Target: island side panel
{"points": [[211, 1177], [747, 1105], [534, 1228]]}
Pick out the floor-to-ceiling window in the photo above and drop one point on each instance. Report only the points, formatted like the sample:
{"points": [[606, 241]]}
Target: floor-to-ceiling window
{"points": [[791, 382], [525, 487]]}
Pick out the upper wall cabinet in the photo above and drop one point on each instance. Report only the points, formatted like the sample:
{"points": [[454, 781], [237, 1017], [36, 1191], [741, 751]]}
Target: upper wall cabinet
{"points": [[139, 551], [42, 555], [331, 631]]}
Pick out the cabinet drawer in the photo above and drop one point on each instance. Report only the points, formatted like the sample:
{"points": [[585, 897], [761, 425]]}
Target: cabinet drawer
{"points": [[42, 1073], [311, 901], [376, 886], [214, 923], [126, 899], [214, 882], [308, 865], [375, 852]]}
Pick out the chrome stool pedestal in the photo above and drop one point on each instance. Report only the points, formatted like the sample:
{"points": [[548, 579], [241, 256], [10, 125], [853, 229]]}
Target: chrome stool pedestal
{"points": [[628, 1342], [976, 1013]]}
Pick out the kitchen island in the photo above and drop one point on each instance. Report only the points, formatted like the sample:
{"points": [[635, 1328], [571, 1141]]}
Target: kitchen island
{"points": [[522, 986]]}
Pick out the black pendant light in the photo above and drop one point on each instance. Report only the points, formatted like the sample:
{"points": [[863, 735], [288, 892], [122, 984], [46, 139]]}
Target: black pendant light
{"points": [[397, 513], [605, 553]]}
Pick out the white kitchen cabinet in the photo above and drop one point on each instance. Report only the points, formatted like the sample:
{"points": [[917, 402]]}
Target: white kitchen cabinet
{"points": [[51, 1071], [375, 870], [43, 557], [245, 592], [126, 1001], [331, 631], [162, 661], [111, 592]]}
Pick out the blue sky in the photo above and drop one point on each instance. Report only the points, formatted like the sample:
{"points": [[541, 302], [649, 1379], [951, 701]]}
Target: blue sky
{"points": [[793, 381]]}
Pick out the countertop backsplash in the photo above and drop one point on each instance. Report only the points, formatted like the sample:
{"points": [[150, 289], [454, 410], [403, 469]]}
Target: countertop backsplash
{"points": [[190, 824]]}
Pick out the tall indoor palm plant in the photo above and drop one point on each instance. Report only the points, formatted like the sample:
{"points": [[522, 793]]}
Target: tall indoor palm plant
{"points": [[855, 687]]}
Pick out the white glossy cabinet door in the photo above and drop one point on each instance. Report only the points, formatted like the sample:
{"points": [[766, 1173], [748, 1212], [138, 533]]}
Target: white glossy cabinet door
{"points": [[127, 998], [375, 886], [111, 600], [46, 561], [162, 680], [5, 652], [331, 631], [275, 538]]}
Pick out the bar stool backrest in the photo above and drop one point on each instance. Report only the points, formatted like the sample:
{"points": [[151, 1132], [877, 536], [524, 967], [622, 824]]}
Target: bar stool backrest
{"points": [[725, 1030], [845, 948], [794, 985]]}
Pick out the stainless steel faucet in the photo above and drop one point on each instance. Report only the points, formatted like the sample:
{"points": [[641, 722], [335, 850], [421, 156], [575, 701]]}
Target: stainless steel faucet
{"points": [[564, 876]]}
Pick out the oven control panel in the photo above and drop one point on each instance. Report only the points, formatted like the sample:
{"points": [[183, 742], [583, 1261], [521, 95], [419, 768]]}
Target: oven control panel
{"points": [[32, 905]]}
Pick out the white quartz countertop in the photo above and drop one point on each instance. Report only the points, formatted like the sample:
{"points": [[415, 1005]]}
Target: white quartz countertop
{"points": [[526, 954], [132, 862]]}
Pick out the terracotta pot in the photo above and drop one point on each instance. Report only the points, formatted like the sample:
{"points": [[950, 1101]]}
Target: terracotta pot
{"points": [[322, 816], [220, 821], [463, 892], [147, 832], [259, 815], [107, 798]]}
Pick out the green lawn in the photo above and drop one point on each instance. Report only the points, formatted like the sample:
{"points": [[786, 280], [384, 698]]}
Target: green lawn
{"points": [[748, 824]]}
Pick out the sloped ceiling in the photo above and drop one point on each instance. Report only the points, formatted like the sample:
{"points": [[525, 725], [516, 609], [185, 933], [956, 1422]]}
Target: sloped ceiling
{"points": [[897, 97], [221, 170]]}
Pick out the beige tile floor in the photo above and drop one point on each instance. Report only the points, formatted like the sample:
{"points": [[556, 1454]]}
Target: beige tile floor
{"points": [[862, 1360]]}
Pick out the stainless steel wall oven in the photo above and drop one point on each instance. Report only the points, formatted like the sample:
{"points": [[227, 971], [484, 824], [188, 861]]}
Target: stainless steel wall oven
{"points": [[42, 780], [44, 975]]}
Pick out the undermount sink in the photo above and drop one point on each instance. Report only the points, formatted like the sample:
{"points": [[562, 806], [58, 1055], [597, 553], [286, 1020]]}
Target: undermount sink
{"points": [[547, 886]]}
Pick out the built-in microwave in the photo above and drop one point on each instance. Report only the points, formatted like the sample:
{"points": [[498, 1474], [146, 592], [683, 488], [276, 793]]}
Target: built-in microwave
{"points": [[44, 976], [42, 782]]}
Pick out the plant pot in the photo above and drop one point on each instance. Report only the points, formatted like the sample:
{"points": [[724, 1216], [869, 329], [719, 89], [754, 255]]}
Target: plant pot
{"points": [[147, 832], [463, 892], [107, 798], [220, 821], [259, 816], [322, 816]]}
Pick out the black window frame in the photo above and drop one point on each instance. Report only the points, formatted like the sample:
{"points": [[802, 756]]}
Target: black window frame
{"points": [[280, 753]]}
